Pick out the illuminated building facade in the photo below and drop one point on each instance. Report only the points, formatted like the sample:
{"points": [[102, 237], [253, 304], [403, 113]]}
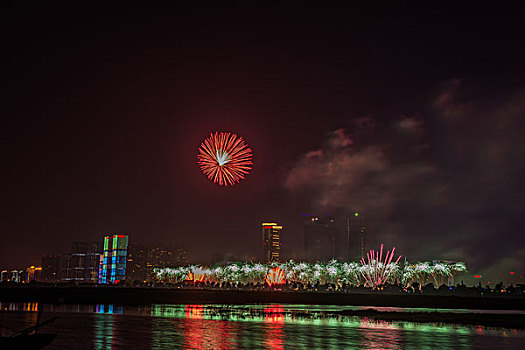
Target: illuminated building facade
{"points": [[320, 239], [271, 239], [356, 236], [141, 260], [17, 276], [4, 276], [113, 263], [33, 274]]}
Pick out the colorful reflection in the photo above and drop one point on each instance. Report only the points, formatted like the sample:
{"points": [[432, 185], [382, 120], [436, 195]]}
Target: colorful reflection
{"points": [[260, 326], [274, 316], [105, 335], [19, 306], [30, 307], [200, 333], [109, 309], [380, 335], [248, 327], [194, 311], [434, 336]]}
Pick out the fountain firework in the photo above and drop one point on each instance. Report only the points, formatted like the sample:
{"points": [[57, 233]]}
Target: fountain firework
{"points": [[377, 271]]}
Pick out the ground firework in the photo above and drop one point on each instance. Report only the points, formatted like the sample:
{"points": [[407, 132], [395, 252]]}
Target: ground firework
{"points": [[225, 158], [275, 276], [376, 271]]}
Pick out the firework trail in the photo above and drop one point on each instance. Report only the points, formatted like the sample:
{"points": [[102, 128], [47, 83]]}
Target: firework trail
{"points": [[225, 158], [377, 271]]}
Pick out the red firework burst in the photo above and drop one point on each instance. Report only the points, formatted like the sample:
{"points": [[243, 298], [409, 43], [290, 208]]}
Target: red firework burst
{"points": [[275, 276], [225, 158]]}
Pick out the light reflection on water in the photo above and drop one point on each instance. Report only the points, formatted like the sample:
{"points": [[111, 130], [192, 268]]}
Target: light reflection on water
{"points": [[247, 327]]}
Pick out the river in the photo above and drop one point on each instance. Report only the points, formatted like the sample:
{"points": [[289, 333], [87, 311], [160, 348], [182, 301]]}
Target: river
{"points": [[246, 327]]}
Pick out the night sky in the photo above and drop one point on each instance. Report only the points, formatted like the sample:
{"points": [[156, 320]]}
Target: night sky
{"points": [[415, 118]]}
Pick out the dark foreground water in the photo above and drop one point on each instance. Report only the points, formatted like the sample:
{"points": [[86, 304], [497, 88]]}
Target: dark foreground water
{"points": [[245, 327]]}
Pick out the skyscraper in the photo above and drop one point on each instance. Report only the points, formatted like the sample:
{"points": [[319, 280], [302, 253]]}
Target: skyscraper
{"points": [[82, 264], [137, 261], [113, 264], [320, 239], [51, 268], [271, 239], [356, 236]]}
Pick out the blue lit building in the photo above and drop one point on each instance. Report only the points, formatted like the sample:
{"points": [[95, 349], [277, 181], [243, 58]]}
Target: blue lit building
{"points": [[112, 268]]}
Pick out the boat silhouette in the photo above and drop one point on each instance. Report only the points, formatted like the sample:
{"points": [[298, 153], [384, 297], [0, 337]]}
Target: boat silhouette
{"points": [[28, 338]]}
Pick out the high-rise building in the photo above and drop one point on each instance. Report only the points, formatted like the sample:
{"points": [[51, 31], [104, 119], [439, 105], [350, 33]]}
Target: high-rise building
{"points": [[137, 261], [271, 239], [320, 239], [82, 264], [51, 268], [113, 265], [160, 256], [4, 276], [356, 236], [142, 260], [17, 276], [33, 274]]}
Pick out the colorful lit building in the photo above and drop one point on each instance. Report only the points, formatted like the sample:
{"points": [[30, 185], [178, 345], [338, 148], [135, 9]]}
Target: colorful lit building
{"points": [[33, 274], [17, 276], [112, 268], [271, 239]]}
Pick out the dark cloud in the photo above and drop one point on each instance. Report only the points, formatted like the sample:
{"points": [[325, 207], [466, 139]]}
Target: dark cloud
{"points": [[447, 186], [411, 126]]}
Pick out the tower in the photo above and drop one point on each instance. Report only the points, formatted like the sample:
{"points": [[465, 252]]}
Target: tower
{"points": [[113, 261], [320, 239], [356, 236], [271, 239]]}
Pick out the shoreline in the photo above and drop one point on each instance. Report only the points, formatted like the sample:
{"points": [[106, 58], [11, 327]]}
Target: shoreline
{"points": [[162, 295]]}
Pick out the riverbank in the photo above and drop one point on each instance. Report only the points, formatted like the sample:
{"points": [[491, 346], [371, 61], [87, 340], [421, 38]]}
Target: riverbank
{"points": [[147, 296]]}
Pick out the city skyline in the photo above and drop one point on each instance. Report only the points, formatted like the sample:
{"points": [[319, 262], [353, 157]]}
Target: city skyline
{"points": [[418, 130]]}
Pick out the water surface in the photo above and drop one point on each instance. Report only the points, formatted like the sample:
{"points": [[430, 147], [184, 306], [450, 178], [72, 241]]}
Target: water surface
{"points": [[247, 327]]}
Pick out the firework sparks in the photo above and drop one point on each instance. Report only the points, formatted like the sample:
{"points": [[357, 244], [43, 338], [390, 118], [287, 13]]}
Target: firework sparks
{"points": [[225, 158], [373, 273], [275, 276], [377, 271], [197, 274]]}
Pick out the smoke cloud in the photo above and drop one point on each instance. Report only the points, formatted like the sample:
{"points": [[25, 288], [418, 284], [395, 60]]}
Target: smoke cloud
{"points": [[444, 186]]}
